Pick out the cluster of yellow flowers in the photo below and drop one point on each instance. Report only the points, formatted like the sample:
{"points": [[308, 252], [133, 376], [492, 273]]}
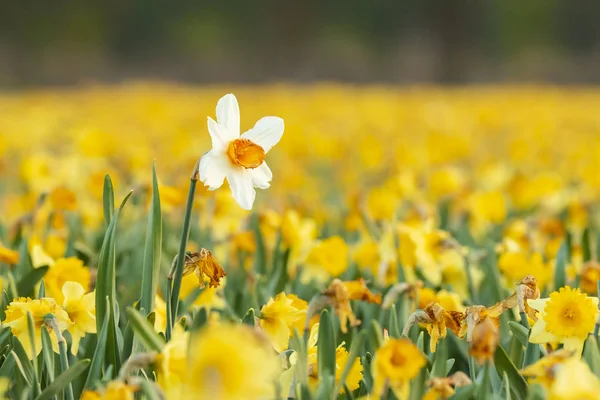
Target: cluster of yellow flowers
{"points": [[412, 243]]}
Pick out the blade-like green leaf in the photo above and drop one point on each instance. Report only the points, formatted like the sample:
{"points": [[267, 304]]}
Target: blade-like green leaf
{"points": [[26, 284], [23, 361], [438, 369], [502, 362], [64, 379], [260, 256], [326, 347], [152, 248], [591, 354], [144, 332], [41, 290], [519, 331], [249, 317], [108, 198], [95, 371], [47, 353], [393, 326], [560, 274]]}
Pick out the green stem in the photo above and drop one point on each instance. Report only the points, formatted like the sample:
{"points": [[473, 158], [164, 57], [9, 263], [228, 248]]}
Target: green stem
{"points": [[485, 382], [597, 327], [169, 328], [532, 350], [51, 322], [185, 234], [472, 373], [470, 280]]}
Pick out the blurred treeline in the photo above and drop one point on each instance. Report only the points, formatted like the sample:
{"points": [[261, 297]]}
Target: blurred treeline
{"points": [[58, 42]]}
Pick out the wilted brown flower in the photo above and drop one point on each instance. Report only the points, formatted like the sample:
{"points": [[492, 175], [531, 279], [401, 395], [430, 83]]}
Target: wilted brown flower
{"points": [[338, 296], [443, 388], [206, 267], [485, 338], [589, 277], [437, 320]]}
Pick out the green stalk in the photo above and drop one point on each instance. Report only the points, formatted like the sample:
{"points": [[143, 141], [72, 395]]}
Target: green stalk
{"points": [[532, 350], [185, 234], [51, 322], [470, 280], [597, 327]]}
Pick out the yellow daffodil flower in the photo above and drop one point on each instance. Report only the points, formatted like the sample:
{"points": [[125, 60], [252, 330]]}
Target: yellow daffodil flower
{"points": [[328, 258], [81, 308], [63, 270], [566, 317], [395, 363], [16, 319], [280, 316]]}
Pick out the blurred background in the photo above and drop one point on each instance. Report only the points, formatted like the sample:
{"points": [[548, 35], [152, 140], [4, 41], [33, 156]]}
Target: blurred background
{"points": [[449, 41]]}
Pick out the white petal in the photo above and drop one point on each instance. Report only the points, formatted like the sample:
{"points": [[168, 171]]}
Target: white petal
{"points": [[540, 335], [261, 176], [240, 181], [538, 304], [219, 136], [266, 133], [213, 169], [573, 344], [228, 114]]}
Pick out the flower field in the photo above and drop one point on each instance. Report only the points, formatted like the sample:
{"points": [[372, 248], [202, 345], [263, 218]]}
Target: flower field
{"points": [[307, 242]]}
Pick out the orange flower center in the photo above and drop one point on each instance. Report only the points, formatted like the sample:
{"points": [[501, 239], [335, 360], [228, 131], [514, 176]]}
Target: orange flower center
{"points": [[245, 153]]}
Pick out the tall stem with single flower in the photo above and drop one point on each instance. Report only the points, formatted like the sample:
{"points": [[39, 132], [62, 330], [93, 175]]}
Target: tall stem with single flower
{"points": [[173, 302]]}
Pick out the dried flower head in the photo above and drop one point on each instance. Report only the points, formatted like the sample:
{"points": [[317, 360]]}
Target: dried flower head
{"points": [[206, 267]]}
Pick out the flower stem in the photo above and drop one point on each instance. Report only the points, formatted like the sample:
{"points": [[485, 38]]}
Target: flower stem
{"points": [[597, 327], [51, 323], [531, 350], [185, 234]]}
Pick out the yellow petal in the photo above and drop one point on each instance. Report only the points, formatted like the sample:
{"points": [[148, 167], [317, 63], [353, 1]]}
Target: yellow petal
{"points": [[72, 291], [278, 332], [539, 334]]}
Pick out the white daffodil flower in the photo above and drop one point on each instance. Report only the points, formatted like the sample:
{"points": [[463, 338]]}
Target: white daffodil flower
{"points": [[239, 158]]}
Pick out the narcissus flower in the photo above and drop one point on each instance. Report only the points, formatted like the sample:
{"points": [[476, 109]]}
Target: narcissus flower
{"points": [[63, 270], [81, 309], [437, 320], [394, 365], [239, 158], [327, 258], [171, 363], [567, 317], [206, 267], [280, 316], [16, 319], [230, 362]]}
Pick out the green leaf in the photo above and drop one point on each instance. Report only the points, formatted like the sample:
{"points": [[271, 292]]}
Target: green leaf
{"points": [[536, 392], [8, 366], [591, 354], [249, 317], [560, 273], [326, 347], [375, 334], [520, 332], [24, 265], [26, 284], [149, 391], [152, 248], [503, 364], [506, 384], [438, 369], [464, 393], [586, 245], [260, 256], [41, 290], [144, 331], [47, 353], [357, 347], [63, 380], [417, 390], [36, 372], [95, 371], [23, 361], [393, 323], [449, 364], [108, 198]]}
